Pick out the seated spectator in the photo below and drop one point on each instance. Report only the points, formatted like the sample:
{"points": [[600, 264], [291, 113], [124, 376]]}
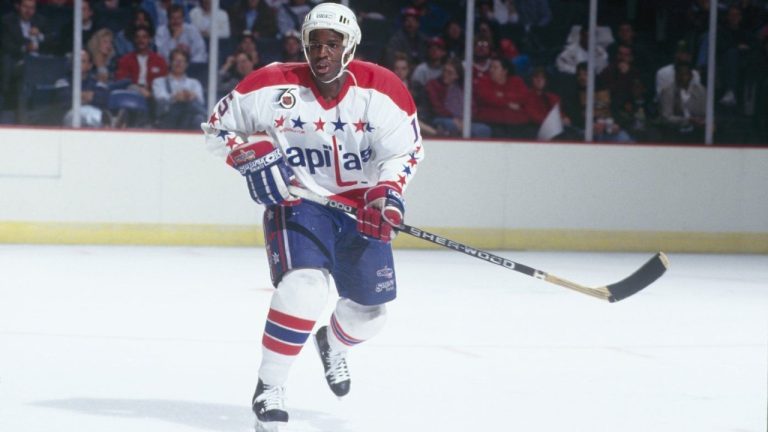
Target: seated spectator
{"points": [[110, 14], [539, 101], [94, 97], [248, 45], [446, 98], [23, 32], [292, 48], [408, 40], [59, 16], [90, 26], [433, 66], [734, 43], [619, 76], [682, 107], [606, 128], [142, 66], [254, 16], [236, 68], [626, 36], [574, 104], [637, 114], [402, 69], [453, 36], [577, 52], [102, 54], [499, 102], [179, 98], [665, 76], [291, 14], [432, 18], [481, 61], [178, 34], [124, 38], [200, 17], [604, 35]]}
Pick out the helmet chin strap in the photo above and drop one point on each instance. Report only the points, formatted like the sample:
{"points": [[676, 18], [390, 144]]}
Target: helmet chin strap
{"points": [[341, 71]]}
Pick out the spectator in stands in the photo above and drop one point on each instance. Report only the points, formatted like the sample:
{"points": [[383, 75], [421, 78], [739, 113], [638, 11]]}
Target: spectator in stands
{"points": [[179, 98], [626, 36], [433, 66], [248, 45], [292, 48], [142, 66], [574, 104], [254, 16], [402, 69], [682, 107], [432, 18], [200, 17], [760, 72], [446, 99], [734, 42], [178, 34], [619, 76], [481, 63], [453, 36], [109, 14], [234, 70], [158, 10], [59, 16], [539, 101], [64, 40], [665, 76], [291, 14], [94, 96], [577, 52], [124, 38], [23, 32], [499, 101], [408, 40], [535, 16], [637, 114], [101, 53]]}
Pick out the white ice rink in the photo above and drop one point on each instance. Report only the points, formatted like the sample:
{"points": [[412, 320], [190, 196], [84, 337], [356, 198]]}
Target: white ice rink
{"points": [[119, 339]]}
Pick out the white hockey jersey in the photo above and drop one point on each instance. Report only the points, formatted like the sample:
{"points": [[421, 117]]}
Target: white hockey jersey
{"points": [[368, 135]]}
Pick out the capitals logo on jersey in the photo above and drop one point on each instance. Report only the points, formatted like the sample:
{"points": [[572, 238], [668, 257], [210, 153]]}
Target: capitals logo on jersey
{"points": [[366, 134]]}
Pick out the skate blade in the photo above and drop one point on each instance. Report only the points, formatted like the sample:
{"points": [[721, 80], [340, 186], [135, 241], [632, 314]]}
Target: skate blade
{"points": [[269, 426]]}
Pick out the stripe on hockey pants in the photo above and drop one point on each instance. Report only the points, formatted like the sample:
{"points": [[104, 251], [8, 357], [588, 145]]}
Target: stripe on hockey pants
{"points": [[341, 335], [285, 334]]}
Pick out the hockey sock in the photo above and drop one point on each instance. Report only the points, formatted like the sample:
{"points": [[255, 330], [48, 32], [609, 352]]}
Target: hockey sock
{"points": [[353, 323], [296, 304]]}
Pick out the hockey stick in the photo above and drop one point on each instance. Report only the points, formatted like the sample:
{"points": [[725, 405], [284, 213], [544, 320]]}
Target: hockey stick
{"points": [[644, 276]]}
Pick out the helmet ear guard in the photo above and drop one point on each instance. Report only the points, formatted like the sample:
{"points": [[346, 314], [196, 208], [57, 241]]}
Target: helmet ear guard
{"points": [[336, 17]]}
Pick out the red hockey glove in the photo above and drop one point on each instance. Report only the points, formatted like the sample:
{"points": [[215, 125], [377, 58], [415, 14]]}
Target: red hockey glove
{"points": [[266, 172], [382, 211]]}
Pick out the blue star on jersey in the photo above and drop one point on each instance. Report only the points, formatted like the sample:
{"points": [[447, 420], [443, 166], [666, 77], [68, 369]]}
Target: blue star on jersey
{"points": [[338, 125], [298, 123]]}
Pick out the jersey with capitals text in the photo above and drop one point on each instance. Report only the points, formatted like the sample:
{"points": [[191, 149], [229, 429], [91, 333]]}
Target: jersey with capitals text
{"points": [[368, 135]]}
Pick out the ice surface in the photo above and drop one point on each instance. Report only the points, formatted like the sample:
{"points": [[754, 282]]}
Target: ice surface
{"points": [[168, 339]]}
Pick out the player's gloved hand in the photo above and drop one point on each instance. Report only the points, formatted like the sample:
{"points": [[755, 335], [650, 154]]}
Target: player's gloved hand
{"points": [[381, 213], [264, 168]]}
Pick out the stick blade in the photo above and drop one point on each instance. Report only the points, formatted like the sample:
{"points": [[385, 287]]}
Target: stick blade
{"points": [[644, 276]]}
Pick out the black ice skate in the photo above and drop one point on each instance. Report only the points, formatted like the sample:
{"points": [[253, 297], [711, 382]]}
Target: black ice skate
{"points": [[268, 406], [335, 364]]}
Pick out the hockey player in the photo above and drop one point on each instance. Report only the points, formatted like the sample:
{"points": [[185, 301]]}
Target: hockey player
{"points": [[340, 128]]}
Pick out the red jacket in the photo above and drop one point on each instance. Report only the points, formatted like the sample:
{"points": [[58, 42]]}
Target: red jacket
{"points": [[436, 92], [128, 67], [492, 101], [538, 106]]}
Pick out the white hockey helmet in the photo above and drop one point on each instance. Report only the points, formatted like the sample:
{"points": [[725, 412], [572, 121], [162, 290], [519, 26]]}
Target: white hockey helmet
{"points": [[337, 17]]}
